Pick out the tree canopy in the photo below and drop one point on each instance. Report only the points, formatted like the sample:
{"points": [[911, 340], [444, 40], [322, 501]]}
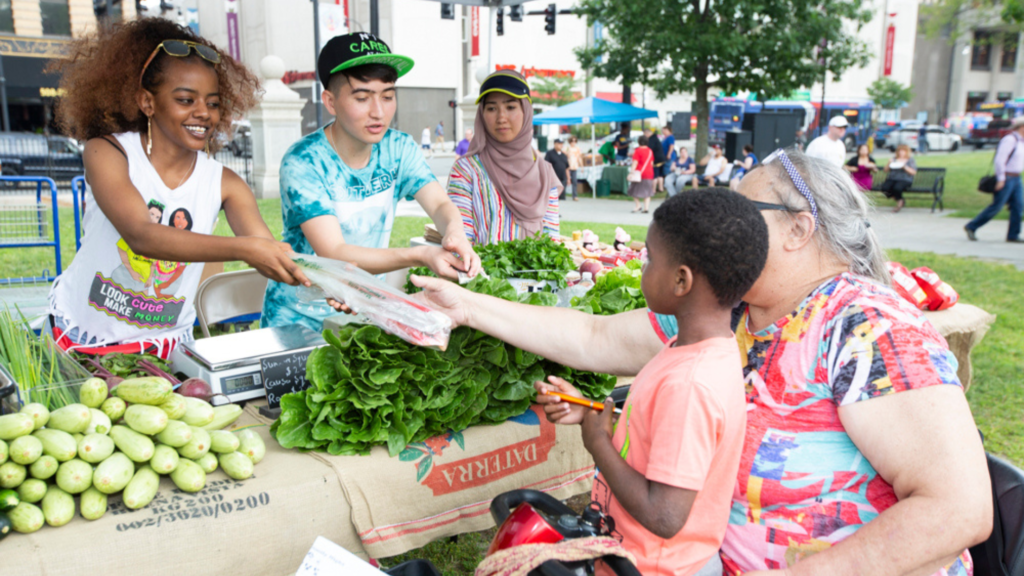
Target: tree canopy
{"points": [[890, 94], [771, 47]]}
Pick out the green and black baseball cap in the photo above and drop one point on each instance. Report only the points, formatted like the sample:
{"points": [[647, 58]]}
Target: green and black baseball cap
{"points": [[350, 50], [506, 82]]}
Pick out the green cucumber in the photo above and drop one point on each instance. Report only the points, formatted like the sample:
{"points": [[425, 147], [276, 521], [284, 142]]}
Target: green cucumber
{"points": [[26, 450], [136, 446], [208, 462], [38, 412], [198, 413], [95, 448], [223, 442], [99, 423], [198, 446], [58, 507], [26, 518], [32, 490], [114, 408], [4, 451], [174, 407], [15, 425], [5, 526], [8, 499], [93, 504], [12, 475], [189, 476], [251, 444], [236, 465], [176, 435], [145, 419], [73, 418], [44, 468], [57, 443], [150, 390], [142, 488], [223, 416], [113, 474], [93, 392], [74, 476], [165, 459]]}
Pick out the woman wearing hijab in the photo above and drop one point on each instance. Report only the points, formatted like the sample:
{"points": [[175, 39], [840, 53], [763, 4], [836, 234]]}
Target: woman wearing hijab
{"points": [[502, 186]]}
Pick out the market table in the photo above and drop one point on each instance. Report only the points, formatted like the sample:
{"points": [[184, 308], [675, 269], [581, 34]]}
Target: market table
{"points": [[616, 176], [590, 174]]}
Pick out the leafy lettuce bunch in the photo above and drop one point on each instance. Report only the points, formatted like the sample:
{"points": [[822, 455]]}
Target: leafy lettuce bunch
{"points": [[370, 388], [615, 291]]}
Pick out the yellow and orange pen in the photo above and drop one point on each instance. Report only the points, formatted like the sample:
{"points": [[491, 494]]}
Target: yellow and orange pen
{"points": [[599, 406]]}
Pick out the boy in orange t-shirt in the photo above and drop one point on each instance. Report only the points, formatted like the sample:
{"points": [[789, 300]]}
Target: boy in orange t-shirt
{"points": [[667, 469]]}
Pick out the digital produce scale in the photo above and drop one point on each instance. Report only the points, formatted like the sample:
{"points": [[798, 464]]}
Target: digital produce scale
{"points": [[230, 363]]}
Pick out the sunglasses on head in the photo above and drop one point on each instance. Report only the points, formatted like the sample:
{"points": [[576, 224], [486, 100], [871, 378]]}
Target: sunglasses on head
{"points": [[181, 49]]}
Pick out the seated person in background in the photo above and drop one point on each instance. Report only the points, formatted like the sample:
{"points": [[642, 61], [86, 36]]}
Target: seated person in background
{"points": [[667, 470], [682, 171], [503, 188], [902, 170], [340, 185], [714, 166], [861, 167], [743, 166]]}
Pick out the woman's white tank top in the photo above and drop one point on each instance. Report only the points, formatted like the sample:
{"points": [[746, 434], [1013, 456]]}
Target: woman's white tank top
{"points": [[117, 296]]}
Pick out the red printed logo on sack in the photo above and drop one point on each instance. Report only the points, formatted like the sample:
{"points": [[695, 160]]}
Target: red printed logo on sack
{"points": [[484, 468]]}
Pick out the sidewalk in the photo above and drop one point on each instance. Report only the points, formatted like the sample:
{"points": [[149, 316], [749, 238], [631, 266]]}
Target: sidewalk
{"points": [[914, 229]]}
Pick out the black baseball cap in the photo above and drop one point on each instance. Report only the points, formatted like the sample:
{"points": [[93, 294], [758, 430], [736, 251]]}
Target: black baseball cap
{"points": [[349, 50], [506, 83]]}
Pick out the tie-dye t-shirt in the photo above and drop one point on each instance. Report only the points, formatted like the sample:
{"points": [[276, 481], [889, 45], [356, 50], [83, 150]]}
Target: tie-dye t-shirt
{"points": [[802, 484], [315, 182]]}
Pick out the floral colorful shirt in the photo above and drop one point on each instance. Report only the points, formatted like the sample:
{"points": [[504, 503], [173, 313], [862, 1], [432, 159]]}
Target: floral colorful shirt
{"points": [[484, 214], [803, 485]]}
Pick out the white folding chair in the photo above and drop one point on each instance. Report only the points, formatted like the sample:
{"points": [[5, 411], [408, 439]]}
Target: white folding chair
{"points": [[229, 295]]}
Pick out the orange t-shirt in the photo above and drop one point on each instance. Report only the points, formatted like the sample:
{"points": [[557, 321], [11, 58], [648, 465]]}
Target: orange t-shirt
{"points": [[683, 426]]}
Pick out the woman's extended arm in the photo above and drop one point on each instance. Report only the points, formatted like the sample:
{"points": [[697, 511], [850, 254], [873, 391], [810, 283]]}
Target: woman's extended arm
{"points": [[106, 170]]}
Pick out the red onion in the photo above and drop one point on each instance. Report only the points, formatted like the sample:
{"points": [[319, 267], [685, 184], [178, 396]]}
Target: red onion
{"points": [[196, 388]]}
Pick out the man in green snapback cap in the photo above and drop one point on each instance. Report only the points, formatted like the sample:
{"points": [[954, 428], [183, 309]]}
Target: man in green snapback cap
{"points": [[340, 185]]}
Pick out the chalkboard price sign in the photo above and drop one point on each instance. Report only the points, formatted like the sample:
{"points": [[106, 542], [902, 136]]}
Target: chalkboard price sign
{"points": [[283, 374]]}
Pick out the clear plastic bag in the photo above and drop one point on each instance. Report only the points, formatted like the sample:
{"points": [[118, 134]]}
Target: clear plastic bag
{"points": [[390, 309]]}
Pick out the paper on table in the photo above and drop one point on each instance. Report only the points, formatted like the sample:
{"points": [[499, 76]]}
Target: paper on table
{"points": [[326, 558]]}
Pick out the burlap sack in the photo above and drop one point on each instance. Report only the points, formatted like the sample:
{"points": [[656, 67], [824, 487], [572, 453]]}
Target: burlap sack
{"points": [[263, 525], [963, 326], [444, 486]]}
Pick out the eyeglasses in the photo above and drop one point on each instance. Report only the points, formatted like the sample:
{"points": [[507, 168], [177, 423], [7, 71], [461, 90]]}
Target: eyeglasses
{"points": [[181, 49], [770, 206], [797, 180]]}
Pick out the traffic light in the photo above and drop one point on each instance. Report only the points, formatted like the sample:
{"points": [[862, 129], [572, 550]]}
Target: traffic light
{"points": [[515, 13], [500, 22], [452, 103], [549, 19], [447, 11]]}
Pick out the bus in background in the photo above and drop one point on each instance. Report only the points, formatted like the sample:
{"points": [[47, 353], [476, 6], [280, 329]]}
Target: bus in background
{"points": [[1002, 110], [727, 114]]}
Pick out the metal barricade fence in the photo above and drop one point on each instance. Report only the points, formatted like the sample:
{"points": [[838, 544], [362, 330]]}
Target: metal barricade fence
{"points": [[23, 224], [78, 201]]}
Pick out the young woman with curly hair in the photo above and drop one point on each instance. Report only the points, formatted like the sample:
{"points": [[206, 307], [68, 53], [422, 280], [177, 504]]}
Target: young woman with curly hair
{"points": [[149, 98]]}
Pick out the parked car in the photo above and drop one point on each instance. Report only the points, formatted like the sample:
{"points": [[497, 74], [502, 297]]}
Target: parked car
{"points": [[990, 134], [28, 154], [882, 131], [964, 123], [938, 138]]}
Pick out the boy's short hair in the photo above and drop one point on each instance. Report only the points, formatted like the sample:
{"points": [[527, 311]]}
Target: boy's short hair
{"points": [[363, 73], [720, 235], [643, 141]]}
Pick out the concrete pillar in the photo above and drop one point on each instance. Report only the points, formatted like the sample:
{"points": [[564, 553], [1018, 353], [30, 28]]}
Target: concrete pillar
{"points": [[28, 18], [276, 125], [83, 18]]}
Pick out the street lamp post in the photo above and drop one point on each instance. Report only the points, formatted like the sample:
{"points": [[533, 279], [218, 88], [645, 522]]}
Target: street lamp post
{"points": [[316, 54]]}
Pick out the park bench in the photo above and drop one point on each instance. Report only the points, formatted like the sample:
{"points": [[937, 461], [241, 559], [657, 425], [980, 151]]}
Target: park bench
{"points": [[926, 181]]}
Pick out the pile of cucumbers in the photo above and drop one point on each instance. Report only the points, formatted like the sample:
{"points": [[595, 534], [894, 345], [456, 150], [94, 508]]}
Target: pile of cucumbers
{"points": [[105, 445]]}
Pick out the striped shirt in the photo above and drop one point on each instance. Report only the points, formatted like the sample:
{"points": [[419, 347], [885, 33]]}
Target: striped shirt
{"points": [[485, 216]]}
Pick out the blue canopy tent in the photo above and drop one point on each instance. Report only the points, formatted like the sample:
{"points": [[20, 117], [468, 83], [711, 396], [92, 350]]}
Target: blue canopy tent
{"points": [[593, 111]]}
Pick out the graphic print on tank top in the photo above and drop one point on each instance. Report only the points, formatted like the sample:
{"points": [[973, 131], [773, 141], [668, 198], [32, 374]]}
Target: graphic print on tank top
{"points": [[142, 291]]}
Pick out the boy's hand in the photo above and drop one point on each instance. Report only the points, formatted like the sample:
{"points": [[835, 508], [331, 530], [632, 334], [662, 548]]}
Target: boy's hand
{"points": [[557, 410], [459, 244], [598, 426]]}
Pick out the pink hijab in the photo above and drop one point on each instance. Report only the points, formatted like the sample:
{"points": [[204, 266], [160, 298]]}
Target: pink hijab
{"points": [[521, 176]]}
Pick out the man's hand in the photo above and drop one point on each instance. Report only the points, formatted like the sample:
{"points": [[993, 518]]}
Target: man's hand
{"points": [[1000, 184], [458, 243], [598, 426], [557, 410], [444, 297], [273, 260]]}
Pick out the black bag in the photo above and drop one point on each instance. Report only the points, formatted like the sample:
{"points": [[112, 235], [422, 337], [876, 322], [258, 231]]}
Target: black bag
{"points": [[987, 184]]}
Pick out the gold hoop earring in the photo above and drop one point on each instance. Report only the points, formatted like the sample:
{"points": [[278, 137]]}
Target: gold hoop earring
{"points": [[149, 136], [207, 148]]}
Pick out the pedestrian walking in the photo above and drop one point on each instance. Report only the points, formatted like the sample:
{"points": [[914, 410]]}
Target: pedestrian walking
{"points": [[922, 139], [660, 158], [425, 141], [1008, 165], [439, 136], [829, 146], [560, 162], [575, 161], [642, 188]]}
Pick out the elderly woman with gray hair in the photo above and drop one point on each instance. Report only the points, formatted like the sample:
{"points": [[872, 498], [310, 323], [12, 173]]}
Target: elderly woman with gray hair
{"points": [[861, 455]]}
